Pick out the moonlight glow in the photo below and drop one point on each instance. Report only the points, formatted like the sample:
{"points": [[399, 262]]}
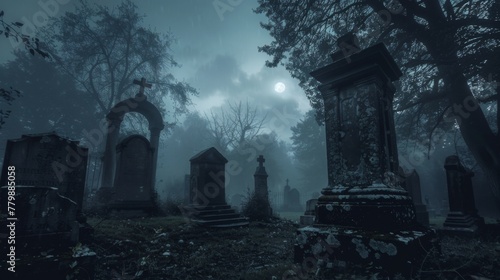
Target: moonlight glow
{"points": [[279, 87]]}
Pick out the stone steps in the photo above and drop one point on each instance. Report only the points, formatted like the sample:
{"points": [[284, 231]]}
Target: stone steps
{"points": [[220, 216]]}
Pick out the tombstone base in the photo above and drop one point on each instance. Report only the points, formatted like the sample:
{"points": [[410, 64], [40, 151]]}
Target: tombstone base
{"points": [[373, 207], [394, 251], [216, 216], [460, 223]]}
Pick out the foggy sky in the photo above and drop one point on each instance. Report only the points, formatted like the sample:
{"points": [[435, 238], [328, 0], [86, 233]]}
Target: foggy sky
{"points": [[217, 51]]}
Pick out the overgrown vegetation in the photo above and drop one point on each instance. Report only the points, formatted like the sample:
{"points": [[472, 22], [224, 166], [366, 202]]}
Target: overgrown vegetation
{"points": [[257, 208]]}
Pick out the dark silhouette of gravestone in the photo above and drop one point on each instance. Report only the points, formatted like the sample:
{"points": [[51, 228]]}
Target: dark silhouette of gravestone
{"points": [[291, 199], [45, 174], [208, 205], [412, 186], [133, 189], [141, 105], [462, 216], [310, 213], [48, 160], [364, 216], [260, 184], [260, 179]]}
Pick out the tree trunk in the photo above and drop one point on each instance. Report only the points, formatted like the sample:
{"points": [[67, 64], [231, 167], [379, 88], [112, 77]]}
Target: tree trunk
{"points": [[474, 127]]}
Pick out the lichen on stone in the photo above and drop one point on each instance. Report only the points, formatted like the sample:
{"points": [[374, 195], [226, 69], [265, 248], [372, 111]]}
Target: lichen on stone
{"points": [[361, 248], [383, 247], [331, 240]]}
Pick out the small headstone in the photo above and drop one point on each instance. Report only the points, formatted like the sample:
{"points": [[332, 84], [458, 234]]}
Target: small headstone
{"points": [[462, 216], [208, 205], [291, 199], [208, 178], [412, 186], [311, 206], [308, 217]]}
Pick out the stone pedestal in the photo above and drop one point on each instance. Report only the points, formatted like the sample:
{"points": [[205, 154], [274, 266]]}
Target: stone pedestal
{"points": [[395, 251], [364, 215]]}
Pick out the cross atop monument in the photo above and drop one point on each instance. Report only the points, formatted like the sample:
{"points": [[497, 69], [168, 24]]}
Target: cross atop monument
{"points": [[261, 160], [142, 83]]}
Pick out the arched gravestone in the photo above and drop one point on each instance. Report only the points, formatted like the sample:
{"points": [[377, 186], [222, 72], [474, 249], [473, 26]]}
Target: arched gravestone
{"points": [[141, 105], [133, 171]]}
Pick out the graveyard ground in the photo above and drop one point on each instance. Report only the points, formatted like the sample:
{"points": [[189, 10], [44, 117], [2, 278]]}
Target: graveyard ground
{"points": [[171, 248]]}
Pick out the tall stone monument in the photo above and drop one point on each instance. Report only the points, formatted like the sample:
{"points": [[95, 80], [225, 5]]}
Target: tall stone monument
{"points": [[260, 181], [364, 215]]}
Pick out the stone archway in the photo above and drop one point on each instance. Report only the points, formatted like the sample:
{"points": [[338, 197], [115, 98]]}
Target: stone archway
{"points": [[138, 104]]}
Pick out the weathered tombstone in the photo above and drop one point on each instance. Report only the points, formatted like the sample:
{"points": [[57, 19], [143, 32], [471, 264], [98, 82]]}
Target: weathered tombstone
{"points": [[412, 186], [363, 216], [44, 174], [133, 189], [208, 205], [48, 160], [291, 199], [462, 216], [308, 217]]}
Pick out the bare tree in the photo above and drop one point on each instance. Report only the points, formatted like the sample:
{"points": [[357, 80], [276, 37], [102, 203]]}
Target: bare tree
{"points": [[232, 127]]}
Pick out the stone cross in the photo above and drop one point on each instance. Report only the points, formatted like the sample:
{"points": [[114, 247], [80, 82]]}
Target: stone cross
{"points": [[142, 83], [261, 160]]}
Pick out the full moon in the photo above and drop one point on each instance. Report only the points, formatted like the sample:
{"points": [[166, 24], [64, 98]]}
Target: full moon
{"points": [[279, 87]]}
